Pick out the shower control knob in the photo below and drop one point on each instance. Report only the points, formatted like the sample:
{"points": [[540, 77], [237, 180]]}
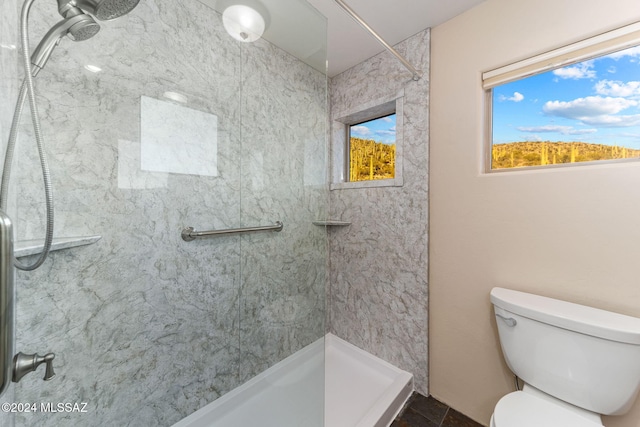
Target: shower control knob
{"points": [[25, 363]]}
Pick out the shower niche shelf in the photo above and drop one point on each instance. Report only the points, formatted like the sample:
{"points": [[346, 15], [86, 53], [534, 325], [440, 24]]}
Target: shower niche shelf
{"points": [[32, 247], [331, 223]]}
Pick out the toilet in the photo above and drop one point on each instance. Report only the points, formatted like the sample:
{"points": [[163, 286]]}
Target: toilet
{"points": [[577, 362]]}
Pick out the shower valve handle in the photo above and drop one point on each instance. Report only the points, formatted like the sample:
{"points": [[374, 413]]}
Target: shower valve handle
{"points": [[25, 363]]}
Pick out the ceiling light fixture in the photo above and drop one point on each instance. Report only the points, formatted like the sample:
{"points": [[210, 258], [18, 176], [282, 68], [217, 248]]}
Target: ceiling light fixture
{"points": [[244, 22]]}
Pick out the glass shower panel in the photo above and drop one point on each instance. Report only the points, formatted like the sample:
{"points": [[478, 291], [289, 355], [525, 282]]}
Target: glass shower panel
{"points": [[144, 326], [283, 164], [283, 158], [161, 121]]}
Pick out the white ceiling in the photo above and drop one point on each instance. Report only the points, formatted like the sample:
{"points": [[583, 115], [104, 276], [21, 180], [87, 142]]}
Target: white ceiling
{"points": [[298, 29], [394, 20]]}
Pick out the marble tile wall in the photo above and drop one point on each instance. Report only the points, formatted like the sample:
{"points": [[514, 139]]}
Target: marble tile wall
{"points": [[147, 328], [378, 265]]}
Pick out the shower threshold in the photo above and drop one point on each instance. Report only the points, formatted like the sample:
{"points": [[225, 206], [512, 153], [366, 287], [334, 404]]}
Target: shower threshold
{"points": [[328, 383]]}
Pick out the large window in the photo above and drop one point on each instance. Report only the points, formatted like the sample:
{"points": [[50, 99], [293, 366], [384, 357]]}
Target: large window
{"points": [[586, 111]]}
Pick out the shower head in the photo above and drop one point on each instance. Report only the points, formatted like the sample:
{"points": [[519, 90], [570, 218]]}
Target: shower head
{"points": [[77, 24], [84, 29], [78, 28], [104, 10]]}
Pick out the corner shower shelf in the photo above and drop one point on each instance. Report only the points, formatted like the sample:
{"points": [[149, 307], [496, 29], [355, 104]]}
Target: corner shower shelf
{"points": [[331, 223], [32, 247]]}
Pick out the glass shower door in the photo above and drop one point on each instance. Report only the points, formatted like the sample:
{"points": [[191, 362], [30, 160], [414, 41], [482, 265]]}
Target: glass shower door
{"points": [[161, 121], [283, 163]]}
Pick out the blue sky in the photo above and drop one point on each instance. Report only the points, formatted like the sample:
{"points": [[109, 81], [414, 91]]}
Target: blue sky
{"points": [[595, 101], [381, 130]]}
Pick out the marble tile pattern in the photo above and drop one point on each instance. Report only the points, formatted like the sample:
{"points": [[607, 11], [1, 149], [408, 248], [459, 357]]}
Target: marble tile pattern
{"points": [[147, 328], [378, 265]]}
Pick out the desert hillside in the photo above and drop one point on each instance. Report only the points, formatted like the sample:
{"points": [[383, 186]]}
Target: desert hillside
{"points": [[371, 160], [519, 154]]}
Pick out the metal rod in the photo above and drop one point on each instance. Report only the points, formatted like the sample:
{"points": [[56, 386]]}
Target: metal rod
{"points": [[416, 73], [189, 234], [7, 302]]}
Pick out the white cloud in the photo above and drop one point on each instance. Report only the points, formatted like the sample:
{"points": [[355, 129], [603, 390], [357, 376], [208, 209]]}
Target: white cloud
{"points": [[517, 97], [630, 135], [613, 121], [534, 138], [634, 52], [595, 111], [564, 130], [386, 132], [583, 70], [387, 119], [590, 106], [360, 130], [617, 88]]}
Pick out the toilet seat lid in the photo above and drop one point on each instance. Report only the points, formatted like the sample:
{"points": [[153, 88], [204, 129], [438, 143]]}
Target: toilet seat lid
{"points": [[520, 409]]}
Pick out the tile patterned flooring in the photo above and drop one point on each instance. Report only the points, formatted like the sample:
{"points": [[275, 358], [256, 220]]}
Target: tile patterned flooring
{"points": [[423, 411]]}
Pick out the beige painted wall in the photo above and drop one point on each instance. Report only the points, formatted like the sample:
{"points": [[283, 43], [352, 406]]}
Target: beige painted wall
{"points": [[569, 233]]}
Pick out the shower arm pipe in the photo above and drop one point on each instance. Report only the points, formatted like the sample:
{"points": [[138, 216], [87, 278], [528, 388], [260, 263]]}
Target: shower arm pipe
{"points": [[417, 74], [189, 234]]}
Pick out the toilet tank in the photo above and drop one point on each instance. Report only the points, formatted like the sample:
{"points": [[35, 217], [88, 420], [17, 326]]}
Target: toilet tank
{"points": [[582, 355]]}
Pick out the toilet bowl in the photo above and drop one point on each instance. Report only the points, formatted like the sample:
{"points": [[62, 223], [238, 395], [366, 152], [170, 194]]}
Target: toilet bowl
{"points": [[577, 362], [525, 409]]}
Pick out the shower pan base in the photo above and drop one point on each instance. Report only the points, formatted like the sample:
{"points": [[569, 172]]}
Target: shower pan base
{"points": [[329, 377]]}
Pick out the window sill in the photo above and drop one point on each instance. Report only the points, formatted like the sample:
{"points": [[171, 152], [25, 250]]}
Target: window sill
{"points": [[397, 182]]}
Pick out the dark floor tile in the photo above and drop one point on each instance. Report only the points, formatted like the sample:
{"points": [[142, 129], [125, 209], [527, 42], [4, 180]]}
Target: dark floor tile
{"points": [[410, 418], [456, 419], [429, 408]]}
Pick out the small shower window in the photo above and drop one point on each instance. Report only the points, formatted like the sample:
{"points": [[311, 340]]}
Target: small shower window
{"points": [[372, 149], [367, 146]]}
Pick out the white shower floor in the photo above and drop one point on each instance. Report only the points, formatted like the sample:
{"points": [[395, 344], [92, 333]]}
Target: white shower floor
{"points": [[360, 390]]}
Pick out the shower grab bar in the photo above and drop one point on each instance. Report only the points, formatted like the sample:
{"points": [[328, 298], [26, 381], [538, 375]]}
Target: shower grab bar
{"points": [[189, 233], [417, 74], [7, 302]]}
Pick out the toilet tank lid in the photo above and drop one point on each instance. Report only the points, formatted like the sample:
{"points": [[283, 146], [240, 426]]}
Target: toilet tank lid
{"points": [[567, 315]]}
